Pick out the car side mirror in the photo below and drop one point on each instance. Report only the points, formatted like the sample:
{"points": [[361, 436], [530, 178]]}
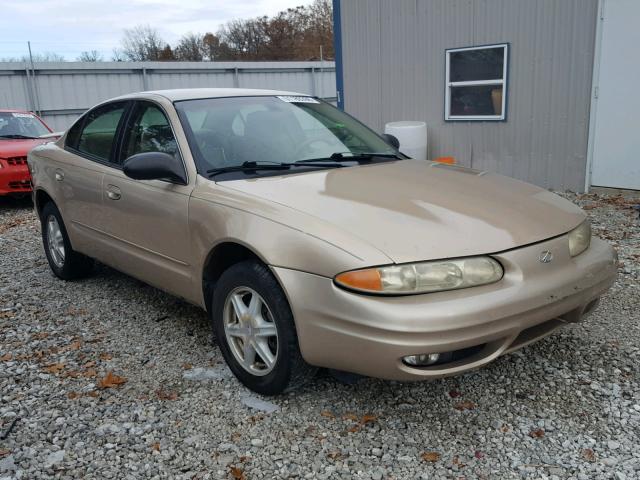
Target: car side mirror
{"points": [[154, 166], [391, 140]]}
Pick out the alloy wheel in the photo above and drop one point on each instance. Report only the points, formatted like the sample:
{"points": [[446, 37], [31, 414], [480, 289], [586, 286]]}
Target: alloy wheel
{"points": [[55, 241], [250, 331]]}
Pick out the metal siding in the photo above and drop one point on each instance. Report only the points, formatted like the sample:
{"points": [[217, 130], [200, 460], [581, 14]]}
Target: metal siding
{"points": [[67, 88], [394, 56]]}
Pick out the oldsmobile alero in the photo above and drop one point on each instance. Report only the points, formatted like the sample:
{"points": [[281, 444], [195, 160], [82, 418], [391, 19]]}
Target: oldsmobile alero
{"points": [[310, 240]]}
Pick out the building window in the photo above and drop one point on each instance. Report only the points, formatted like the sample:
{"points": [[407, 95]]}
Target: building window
{"points": [[476, 83]]}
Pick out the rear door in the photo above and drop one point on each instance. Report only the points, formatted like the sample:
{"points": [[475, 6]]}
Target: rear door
{"points": [[90, 152], [147, 221]]}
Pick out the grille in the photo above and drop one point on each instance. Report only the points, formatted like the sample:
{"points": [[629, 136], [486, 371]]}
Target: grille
{"points": [[17, 160], [20, 185]]}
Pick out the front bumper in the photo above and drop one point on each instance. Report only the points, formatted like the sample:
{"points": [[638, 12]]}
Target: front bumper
{"points": [[14, 179], [370, 335]]}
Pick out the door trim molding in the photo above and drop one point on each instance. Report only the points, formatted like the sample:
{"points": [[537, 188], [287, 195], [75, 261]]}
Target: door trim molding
{"points": [[135, 245], [593, 106]]}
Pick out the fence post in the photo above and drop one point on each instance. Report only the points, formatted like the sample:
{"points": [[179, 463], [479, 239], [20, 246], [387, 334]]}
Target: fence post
{"points": [[32, 105], [314, 90], [145, 85], [236, 78]]}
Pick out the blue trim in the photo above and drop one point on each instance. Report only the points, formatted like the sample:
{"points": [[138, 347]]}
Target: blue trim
{"points": [[337, 48]]}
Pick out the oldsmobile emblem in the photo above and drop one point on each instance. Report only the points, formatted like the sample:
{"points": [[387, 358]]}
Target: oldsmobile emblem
{"points": [[545, 256]]}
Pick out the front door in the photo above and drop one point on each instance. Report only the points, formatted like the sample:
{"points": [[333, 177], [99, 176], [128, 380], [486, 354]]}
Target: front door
{"points": [[147, 221]]}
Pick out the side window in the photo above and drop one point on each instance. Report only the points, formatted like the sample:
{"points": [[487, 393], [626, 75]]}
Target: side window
{"points": [[149, 131], [98, 135]]}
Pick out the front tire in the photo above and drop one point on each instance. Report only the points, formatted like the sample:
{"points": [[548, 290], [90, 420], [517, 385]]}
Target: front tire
{"points": [[256, 333], [65, 263]]}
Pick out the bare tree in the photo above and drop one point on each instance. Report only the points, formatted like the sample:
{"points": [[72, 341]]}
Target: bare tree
{"points": [[117, 55], [92, 56], [190, 48], [37, 57], [142, 43]]}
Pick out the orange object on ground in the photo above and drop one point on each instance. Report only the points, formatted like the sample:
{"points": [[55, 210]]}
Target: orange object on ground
{"points": [[449, 160]]}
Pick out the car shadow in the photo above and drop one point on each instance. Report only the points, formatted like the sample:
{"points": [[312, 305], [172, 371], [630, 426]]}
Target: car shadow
{"points": [[10, 203]]}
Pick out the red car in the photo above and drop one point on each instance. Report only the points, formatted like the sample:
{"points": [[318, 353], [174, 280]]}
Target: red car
{"points": [[19, 132]]}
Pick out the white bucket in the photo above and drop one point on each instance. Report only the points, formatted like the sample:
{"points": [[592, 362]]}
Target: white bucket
{"points": [[412, 137]]}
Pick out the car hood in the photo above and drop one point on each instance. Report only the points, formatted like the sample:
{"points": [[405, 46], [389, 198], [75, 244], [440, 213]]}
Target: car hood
{"points": [[415, 210], [19, 147]]}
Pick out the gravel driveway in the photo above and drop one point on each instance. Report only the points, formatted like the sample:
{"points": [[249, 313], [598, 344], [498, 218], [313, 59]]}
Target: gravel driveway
{"points": [[110, 378]]}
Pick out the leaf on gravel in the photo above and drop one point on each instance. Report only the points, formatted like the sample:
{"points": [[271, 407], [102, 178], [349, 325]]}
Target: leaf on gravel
{"points": [[6, 314], [4, 452], [89, 364], [368, 419], [75, 345], [236, 473], [73, 395], [187, 366], [430, 456], [111, 380], [39, 336], [464, 405], [327, 414], [165, 395], [54, 368], [156, 447], [589, 455], [334, 455], [93, 394], [91, 373], [350, 416], [6, 357], [106, 356], [537, 433], [455, 393]]}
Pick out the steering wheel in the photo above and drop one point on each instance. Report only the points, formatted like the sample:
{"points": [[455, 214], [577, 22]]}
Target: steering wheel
{"points": [[307, 143]]}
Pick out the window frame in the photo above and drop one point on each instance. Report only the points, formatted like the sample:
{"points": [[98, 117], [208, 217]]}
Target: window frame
{"points": [[112, 161], [448, 85]]}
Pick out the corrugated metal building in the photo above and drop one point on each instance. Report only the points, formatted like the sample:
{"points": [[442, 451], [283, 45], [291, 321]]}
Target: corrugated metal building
{"points": [[529, 104]]}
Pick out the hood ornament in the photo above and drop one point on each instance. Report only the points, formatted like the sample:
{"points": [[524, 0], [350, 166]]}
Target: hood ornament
{"points": [[545, 256]]}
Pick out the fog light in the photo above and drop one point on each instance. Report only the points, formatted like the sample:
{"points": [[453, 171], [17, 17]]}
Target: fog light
{"points": [[422, 360]]}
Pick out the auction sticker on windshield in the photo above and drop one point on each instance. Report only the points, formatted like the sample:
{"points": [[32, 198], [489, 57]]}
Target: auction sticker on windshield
{"points": [[297, 99]]}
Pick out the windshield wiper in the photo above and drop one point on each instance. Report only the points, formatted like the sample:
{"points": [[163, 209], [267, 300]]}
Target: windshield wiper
{"points": [[249, 167], [355, 157], [18, 137], [255, 166]]}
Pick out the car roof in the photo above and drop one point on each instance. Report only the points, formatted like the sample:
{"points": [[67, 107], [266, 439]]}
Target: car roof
{"points": [[178, 94]]}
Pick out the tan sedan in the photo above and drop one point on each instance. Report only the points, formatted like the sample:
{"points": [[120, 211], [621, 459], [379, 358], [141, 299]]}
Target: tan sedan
{"points": [[310, 240]]}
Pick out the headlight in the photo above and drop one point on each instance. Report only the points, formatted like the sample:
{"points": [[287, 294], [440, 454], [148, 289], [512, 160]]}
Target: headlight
{"points": [[423, 277], [580, 238]]}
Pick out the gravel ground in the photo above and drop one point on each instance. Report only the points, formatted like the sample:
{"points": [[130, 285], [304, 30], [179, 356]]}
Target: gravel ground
{"points": [[110, 378]]}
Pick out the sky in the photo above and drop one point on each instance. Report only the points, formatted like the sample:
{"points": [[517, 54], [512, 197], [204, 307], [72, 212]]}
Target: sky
{"points": [[69, 27]]}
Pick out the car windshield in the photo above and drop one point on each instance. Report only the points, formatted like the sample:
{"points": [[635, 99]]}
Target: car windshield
{"points": [[20, 125], [234, 131]]}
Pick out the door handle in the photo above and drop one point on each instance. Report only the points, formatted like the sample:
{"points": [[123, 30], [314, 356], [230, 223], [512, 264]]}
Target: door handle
{"points": [[59, 175], [113, 192]]}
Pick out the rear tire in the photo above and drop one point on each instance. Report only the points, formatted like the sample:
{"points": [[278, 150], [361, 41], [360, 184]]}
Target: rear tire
{"points": [[262, 329], [65, 263]]}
